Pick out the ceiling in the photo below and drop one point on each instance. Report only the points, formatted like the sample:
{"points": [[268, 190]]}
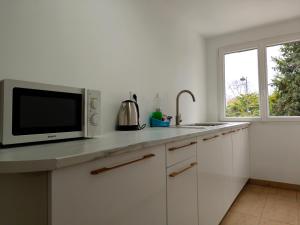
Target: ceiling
{"points": [[215, 17]]}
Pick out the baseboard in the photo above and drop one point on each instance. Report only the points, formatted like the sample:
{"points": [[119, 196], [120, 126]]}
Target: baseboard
{"points": [[274, 184]]}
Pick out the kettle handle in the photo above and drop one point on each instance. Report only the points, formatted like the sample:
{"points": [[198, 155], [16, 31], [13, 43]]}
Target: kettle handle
{"points": [[138, 113], [138, 110]]}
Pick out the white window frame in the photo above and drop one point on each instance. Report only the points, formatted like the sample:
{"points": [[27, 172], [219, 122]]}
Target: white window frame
{"points": [[261, 46]]}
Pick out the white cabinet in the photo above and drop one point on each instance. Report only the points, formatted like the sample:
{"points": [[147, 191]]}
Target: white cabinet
{"points": [[212, 181], [227, 155], [223, 170], [128, 189], [180, 150], [191, 182], [182, 193], [241, 159], [182, 182]]}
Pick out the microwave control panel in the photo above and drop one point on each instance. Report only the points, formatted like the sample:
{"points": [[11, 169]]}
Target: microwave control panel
{"points": [[93, 110]]}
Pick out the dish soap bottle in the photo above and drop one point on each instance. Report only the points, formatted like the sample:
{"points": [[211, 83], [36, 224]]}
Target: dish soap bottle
{"points": [[157, 114]]}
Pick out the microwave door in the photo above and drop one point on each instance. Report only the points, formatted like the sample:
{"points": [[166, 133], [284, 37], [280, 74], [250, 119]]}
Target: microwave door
{"points": [[41, 112], [42, 115]]}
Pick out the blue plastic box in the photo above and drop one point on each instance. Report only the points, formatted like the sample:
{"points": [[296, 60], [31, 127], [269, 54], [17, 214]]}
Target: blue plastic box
{"points": [[159, 123]]}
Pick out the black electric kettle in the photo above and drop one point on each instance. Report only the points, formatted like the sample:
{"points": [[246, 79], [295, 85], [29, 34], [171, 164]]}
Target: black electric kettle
{"points": [[129, 115]]}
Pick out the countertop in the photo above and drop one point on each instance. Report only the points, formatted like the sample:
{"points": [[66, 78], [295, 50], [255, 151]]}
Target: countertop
{"points": [[51, 156]]}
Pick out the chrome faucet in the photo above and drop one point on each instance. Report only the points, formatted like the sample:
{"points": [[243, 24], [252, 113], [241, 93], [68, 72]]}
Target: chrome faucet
{"points": [[178, 115]]}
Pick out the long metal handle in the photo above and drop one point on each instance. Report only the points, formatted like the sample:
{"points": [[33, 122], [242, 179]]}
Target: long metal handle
{"points": [[182, 146], [209, 138], [174, 174], [225, 133], [105, 169]]}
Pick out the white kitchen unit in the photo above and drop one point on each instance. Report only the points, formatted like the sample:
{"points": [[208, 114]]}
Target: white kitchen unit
{"points": [[227, 155], [222, 160], [129, 189], [212, 179], [180, 150], [241, 159], [182, 193], [182, 182], [170, 176]]}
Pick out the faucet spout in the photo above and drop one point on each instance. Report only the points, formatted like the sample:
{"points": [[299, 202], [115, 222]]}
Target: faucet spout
{"points": [[178, 115]]}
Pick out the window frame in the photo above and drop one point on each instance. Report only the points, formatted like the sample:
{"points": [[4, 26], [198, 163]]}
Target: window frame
{"points": [[261, 46]]}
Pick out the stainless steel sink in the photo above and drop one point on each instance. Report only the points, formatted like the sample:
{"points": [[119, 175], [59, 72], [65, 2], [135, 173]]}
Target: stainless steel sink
{"points": [[190, 126], [202, 125], [208, 124]]}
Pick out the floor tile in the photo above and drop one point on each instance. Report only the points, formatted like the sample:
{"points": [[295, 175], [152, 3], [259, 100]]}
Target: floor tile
{"points": [[298, 213], [250, 203], [298, 196], [236, 218], [271, 222], [256, 189], [281, 210], [283, 194]]}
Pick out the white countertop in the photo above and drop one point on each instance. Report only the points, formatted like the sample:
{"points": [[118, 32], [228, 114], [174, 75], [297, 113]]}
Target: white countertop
{"points": [[47, 157]]}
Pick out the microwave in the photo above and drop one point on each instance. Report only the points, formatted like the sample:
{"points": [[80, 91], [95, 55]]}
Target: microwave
{"points": [[35, 112]]}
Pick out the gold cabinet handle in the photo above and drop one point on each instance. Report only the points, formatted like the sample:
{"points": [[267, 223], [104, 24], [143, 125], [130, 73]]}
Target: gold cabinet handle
{"points": [[105, 169], [209, 138], [225, 133], [182, 146], [174, 174]]}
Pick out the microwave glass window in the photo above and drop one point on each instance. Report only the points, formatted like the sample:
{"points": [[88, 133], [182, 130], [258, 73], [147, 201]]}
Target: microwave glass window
{"points": [[38, 111]]}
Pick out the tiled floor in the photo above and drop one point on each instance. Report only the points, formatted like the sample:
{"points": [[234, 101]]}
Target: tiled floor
{"points": [[258, 205]]}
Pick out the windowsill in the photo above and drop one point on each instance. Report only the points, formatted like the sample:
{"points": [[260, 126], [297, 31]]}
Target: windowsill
{"points": [[258, 119]]}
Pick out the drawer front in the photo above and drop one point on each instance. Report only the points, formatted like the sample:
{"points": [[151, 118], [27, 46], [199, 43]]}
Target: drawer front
{"points": [[182, 193], [128, 189], [181, 150]]}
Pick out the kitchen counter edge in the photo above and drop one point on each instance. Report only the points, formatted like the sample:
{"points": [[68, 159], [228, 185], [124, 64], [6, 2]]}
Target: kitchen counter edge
{"points": [[48, 157]]}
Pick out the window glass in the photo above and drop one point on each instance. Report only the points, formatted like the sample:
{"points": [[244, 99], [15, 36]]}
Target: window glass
{"points": [[241, 84], [283, 69]]}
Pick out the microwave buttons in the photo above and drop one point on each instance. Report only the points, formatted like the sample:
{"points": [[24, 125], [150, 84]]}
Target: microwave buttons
{"points": [[94, 103], [94, 119]]}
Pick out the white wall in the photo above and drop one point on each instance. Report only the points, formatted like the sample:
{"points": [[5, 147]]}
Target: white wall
{"points": [[112, 45], [275, 152]]}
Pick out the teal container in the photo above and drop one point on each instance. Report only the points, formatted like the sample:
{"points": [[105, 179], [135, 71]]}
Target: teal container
{"points": [[159, 123]]}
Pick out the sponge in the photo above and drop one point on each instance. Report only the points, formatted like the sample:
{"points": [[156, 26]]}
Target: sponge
{"points": [[157, 115]]}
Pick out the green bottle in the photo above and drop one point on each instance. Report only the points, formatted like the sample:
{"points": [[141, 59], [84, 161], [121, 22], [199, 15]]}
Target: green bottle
{"points": [[157, 114]]}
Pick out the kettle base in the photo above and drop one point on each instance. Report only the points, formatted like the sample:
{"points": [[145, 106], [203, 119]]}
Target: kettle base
{"points": [[128, 127]]}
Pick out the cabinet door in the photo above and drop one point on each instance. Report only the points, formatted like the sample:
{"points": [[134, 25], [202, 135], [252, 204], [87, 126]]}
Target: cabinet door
{"points": [[132, 193], [241, 159], [228, 185], [211, 180], [246, 150], [182, 193]]}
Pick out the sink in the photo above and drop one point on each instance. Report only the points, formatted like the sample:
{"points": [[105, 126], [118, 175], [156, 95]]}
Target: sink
{"points": [[202, 125], [206, 124], [190, 126]]}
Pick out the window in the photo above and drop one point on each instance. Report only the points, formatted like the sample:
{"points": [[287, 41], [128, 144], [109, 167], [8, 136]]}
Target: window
{"points": [[283, 65], [261, 80], [241, 84]]}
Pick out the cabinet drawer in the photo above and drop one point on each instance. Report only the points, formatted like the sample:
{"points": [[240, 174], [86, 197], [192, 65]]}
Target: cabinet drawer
{"points": [[182, 193], [127, 189], [181, 150]]}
